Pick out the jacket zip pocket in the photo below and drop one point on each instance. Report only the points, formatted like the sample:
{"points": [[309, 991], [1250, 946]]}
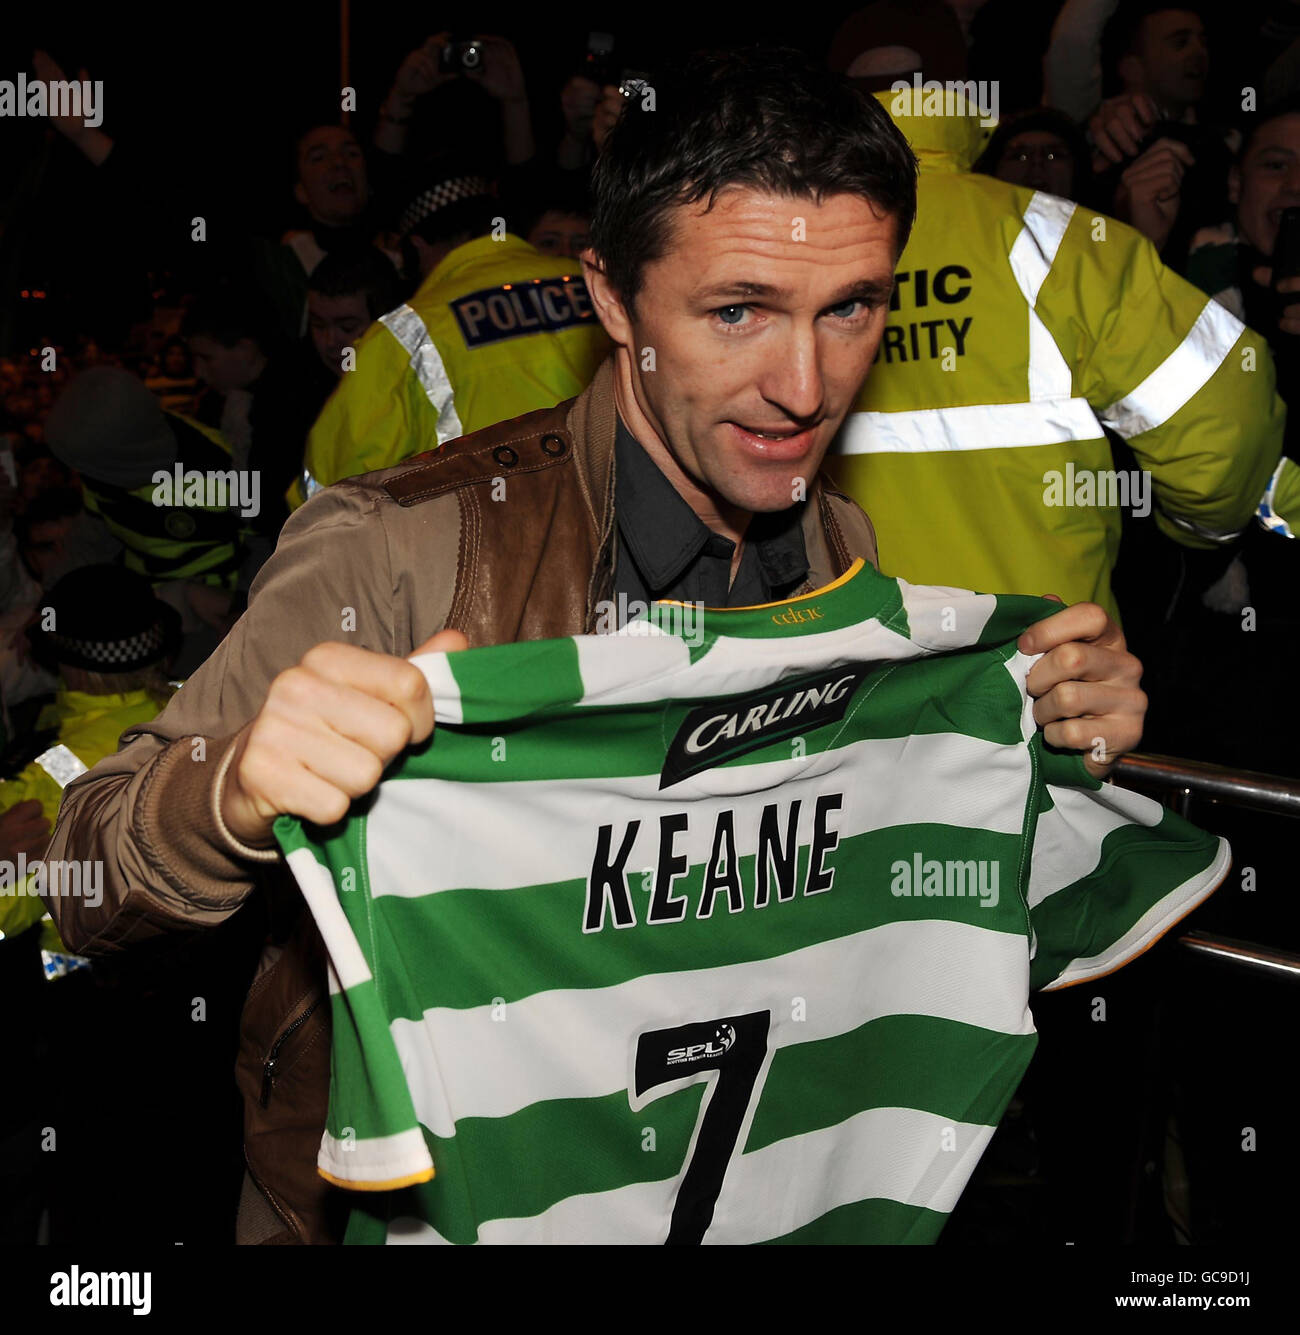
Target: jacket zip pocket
{"points": [[268, 1069]]}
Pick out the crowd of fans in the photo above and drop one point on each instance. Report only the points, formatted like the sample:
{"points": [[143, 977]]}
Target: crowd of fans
{"points": [[1117, 105]]}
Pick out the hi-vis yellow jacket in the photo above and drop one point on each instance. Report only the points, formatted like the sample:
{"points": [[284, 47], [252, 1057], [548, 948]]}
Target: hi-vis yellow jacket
{"points": [[88, 730], [497, 329], [1020, 323], [168, 539]]}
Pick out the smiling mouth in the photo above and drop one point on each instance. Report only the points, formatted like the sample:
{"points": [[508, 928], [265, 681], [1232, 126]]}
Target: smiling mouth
{"points": [[785, 444], [782, 433]]}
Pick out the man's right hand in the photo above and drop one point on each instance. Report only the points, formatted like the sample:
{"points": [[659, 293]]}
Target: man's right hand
{"points": [[1150, 190], [91, 141], [1119, 126], [328, 728], [420, 72], [608, 110], [578, 100]]}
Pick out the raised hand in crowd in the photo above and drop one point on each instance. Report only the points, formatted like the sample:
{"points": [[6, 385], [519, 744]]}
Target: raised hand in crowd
{"points": [[578, 101], [92, 142], [502, 77], [418, 74], [608, 110], [1118, 127], [1150, 190]]}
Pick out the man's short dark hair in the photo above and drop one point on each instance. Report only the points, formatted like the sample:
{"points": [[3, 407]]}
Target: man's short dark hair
{"points": [[553, 193], [325, 118], [765, 117], [359, 270], [1286, 106]]}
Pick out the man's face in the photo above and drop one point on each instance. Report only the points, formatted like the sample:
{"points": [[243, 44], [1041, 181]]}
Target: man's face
{"points": [[761, 341], [174, 361], [1173, 58], [221, 367], [563, 234], [1267, 181], [336, 323], [1040, 160], [38, 475], [332, 183], [45, 545]]}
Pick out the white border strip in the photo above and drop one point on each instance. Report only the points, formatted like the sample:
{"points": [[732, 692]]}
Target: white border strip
{"points": [[975, 426], [1180, 377]]}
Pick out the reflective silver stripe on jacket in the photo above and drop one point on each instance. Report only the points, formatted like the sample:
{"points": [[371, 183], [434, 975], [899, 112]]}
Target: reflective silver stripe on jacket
{"points": [[1031, 258], [977, 426], [1180, 377], [409, 330], [1053, 415], [61, 764], [1220, 535]]}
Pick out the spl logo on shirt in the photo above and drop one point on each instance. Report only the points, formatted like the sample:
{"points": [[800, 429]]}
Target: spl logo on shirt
{"points": [[719, 1042], [536, 306]]}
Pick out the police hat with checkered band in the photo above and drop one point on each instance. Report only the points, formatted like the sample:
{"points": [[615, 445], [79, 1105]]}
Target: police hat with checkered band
{"points": [[444, 202], [103, 618]]}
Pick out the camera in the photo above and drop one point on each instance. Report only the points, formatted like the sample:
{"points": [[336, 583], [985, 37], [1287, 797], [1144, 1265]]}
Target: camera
{"points": [[462, 57], [597, 63]]}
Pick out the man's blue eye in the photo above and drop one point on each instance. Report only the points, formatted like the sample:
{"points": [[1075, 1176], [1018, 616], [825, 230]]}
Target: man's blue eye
{"points": [[846, 309], [724, 311]]}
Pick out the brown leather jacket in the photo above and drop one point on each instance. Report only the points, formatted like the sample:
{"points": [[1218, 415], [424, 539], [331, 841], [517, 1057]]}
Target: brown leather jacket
{"points": [[507, 534]]}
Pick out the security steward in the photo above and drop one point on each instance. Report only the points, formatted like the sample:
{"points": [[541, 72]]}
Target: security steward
{"points": [[495, 329], [1021, 324]]}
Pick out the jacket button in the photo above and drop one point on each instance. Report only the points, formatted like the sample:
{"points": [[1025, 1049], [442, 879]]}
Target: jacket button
{"points": [[505, 456], [554, 446]]}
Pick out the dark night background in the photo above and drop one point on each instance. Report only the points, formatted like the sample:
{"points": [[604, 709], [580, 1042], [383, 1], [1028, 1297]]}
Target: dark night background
{"points": [[211, 98], [214, 97]]}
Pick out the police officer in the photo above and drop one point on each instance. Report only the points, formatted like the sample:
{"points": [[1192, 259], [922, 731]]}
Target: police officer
{"points": [[106, 635], [495, 329], [112, 430]]}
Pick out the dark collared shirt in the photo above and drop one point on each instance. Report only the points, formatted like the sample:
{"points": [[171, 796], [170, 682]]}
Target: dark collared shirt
{"points": [[666, 551]]}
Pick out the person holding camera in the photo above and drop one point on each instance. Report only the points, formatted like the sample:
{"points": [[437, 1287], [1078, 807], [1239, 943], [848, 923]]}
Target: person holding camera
{"points": [[1251, 265], [1160, 164], [489, 61]]}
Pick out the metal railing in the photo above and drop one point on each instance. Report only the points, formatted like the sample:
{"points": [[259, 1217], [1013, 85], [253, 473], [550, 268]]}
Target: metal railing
{"points": [[1195, 778], [1186, 780]]}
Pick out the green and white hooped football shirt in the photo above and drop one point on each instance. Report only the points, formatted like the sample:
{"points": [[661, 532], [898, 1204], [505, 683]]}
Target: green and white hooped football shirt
{"points": [[720, 929]]}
